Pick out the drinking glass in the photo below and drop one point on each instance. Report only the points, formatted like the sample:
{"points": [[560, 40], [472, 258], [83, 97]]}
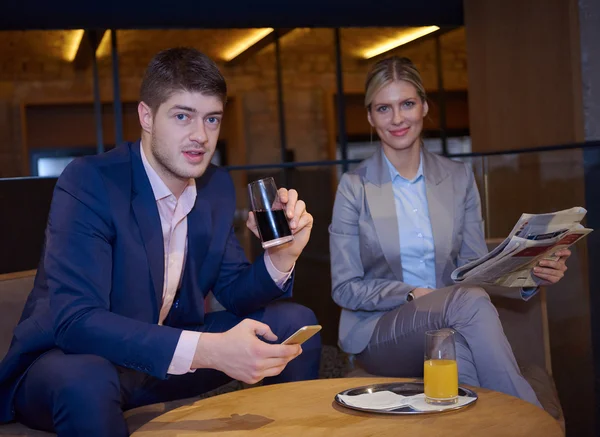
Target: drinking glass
{"points": [[273, 226], [440, 374]]}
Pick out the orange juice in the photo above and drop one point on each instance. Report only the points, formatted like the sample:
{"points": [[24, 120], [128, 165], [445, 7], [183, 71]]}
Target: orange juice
{"points": [[441, 379]]}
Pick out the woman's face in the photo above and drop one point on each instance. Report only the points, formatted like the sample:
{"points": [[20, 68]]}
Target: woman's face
{"points": [[397, 114]]}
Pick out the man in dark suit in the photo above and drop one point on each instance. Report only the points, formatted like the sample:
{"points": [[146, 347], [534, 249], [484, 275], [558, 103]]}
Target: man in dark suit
{"points": [[136, 239]]}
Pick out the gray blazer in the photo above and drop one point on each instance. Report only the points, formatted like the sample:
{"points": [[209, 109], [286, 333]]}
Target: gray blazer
{"points": [[366, 268]]}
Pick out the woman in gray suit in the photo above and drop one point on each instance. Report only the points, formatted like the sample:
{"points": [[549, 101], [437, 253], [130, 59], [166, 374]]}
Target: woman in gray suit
{"points": [[402, 222]]}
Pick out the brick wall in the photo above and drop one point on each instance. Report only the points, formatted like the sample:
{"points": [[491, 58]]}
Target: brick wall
{"points": [[309, 79]]}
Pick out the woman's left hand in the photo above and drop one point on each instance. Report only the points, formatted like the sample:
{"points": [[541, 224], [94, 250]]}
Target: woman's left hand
{"points": [[552, 271]]}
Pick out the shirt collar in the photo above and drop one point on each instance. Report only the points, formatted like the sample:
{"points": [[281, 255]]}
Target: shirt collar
{"points": [[159, 188], [394, 173]]}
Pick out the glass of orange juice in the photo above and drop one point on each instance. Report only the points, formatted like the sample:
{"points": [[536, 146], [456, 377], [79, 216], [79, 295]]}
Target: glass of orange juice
{"points": [[440, 371]]}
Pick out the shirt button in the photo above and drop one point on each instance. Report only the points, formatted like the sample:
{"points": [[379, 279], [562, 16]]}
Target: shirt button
{"points": [[420, 235], [415, 210], [422, 261]]}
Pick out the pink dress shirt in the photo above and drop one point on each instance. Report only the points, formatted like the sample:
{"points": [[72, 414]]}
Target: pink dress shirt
{"points": [[173, 218]]}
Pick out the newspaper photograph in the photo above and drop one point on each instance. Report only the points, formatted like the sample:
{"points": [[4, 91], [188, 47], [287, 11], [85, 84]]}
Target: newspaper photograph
{"points": [[534, 237]]}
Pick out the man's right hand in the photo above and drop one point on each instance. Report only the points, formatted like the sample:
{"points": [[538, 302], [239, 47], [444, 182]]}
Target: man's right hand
{"points": [[240, 354]]}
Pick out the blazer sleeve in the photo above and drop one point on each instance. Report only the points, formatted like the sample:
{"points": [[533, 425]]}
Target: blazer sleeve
{"points": [[78, 265], [241, 287], [350, 289]]}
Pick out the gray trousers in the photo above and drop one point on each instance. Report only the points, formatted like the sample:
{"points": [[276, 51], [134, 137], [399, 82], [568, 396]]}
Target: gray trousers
{"points": [[483, 354]]}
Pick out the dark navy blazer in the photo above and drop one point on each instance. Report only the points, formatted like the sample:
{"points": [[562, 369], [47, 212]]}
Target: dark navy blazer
{"points": [[99, 285]]}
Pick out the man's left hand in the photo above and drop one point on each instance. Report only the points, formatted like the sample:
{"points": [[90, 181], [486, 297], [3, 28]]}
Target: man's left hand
{"points": [[552, 271], [301, 222]]}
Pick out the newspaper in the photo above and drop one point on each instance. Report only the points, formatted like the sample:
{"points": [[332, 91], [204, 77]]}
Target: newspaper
{"points": [[534, 237]]}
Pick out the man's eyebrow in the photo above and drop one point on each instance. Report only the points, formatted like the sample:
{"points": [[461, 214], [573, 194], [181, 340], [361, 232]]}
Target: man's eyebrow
{"points": [[210, 114], [184, 108]]}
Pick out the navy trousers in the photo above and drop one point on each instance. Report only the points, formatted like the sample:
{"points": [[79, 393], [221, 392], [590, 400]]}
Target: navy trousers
{"points": [[85, 395]]}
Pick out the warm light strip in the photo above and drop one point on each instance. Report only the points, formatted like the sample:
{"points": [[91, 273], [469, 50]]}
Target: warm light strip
{"points": [[246, 43], [104, 46], [71, 50], [405, 37]]}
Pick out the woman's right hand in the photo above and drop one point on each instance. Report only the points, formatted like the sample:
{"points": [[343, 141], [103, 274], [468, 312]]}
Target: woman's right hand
{"points": [[420, 292]]}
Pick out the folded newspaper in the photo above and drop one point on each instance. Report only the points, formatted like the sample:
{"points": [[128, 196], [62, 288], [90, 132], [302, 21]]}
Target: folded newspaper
{"points": [[534, 237]]}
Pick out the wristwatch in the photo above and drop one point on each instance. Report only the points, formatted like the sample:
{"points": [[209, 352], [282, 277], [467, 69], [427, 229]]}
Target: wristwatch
{"points": [[410, 296]]}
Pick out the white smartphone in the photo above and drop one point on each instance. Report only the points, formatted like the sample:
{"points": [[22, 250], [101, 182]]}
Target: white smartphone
{"points": [[302, 334]]}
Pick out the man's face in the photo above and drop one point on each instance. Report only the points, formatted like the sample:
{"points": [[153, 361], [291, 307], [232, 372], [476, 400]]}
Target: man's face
{"points": [[184, 131]]}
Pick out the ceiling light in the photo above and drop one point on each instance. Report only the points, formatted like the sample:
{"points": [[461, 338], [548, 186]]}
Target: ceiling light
{"points": [[403, 38], [245, 43], [73, 44], [104, 46]]}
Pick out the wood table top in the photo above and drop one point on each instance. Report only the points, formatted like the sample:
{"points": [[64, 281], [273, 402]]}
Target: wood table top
{"points": [[308, 409]]}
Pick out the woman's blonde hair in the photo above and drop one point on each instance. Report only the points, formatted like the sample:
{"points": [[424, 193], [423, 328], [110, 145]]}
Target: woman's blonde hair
{"points": [[389, 70]]}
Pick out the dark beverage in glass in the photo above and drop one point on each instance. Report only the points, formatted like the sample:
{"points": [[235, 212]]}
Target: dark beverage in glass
{"points": [[273, 225]]}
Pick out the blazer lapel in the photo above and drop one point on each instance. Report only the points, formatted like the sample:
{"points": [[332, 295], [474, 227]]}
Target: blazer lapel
{"points": [[199, 228], [194, 287], [148, 219], [440, 200], [380, 198]]}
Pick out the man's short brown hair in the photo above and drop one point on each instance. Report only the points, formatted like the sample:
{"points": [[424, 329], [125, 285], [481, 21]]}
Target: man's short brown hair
{"points": [[181, 69]]}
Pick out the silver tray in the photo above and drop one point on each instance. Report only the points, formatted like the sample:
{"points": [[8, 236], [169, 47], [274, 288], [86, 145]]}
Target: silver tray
{"points": [[401, 388]]}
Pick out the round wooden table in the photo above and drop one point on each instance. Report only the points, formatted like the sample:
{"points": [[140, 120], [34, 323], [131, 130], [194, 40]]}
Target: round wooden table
{"points": [[308, 409]]}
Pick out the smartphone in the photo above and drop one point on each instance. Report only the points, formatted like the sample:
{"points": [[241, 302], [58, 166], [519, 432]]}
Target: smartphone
{"points": [[302, 334]]}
